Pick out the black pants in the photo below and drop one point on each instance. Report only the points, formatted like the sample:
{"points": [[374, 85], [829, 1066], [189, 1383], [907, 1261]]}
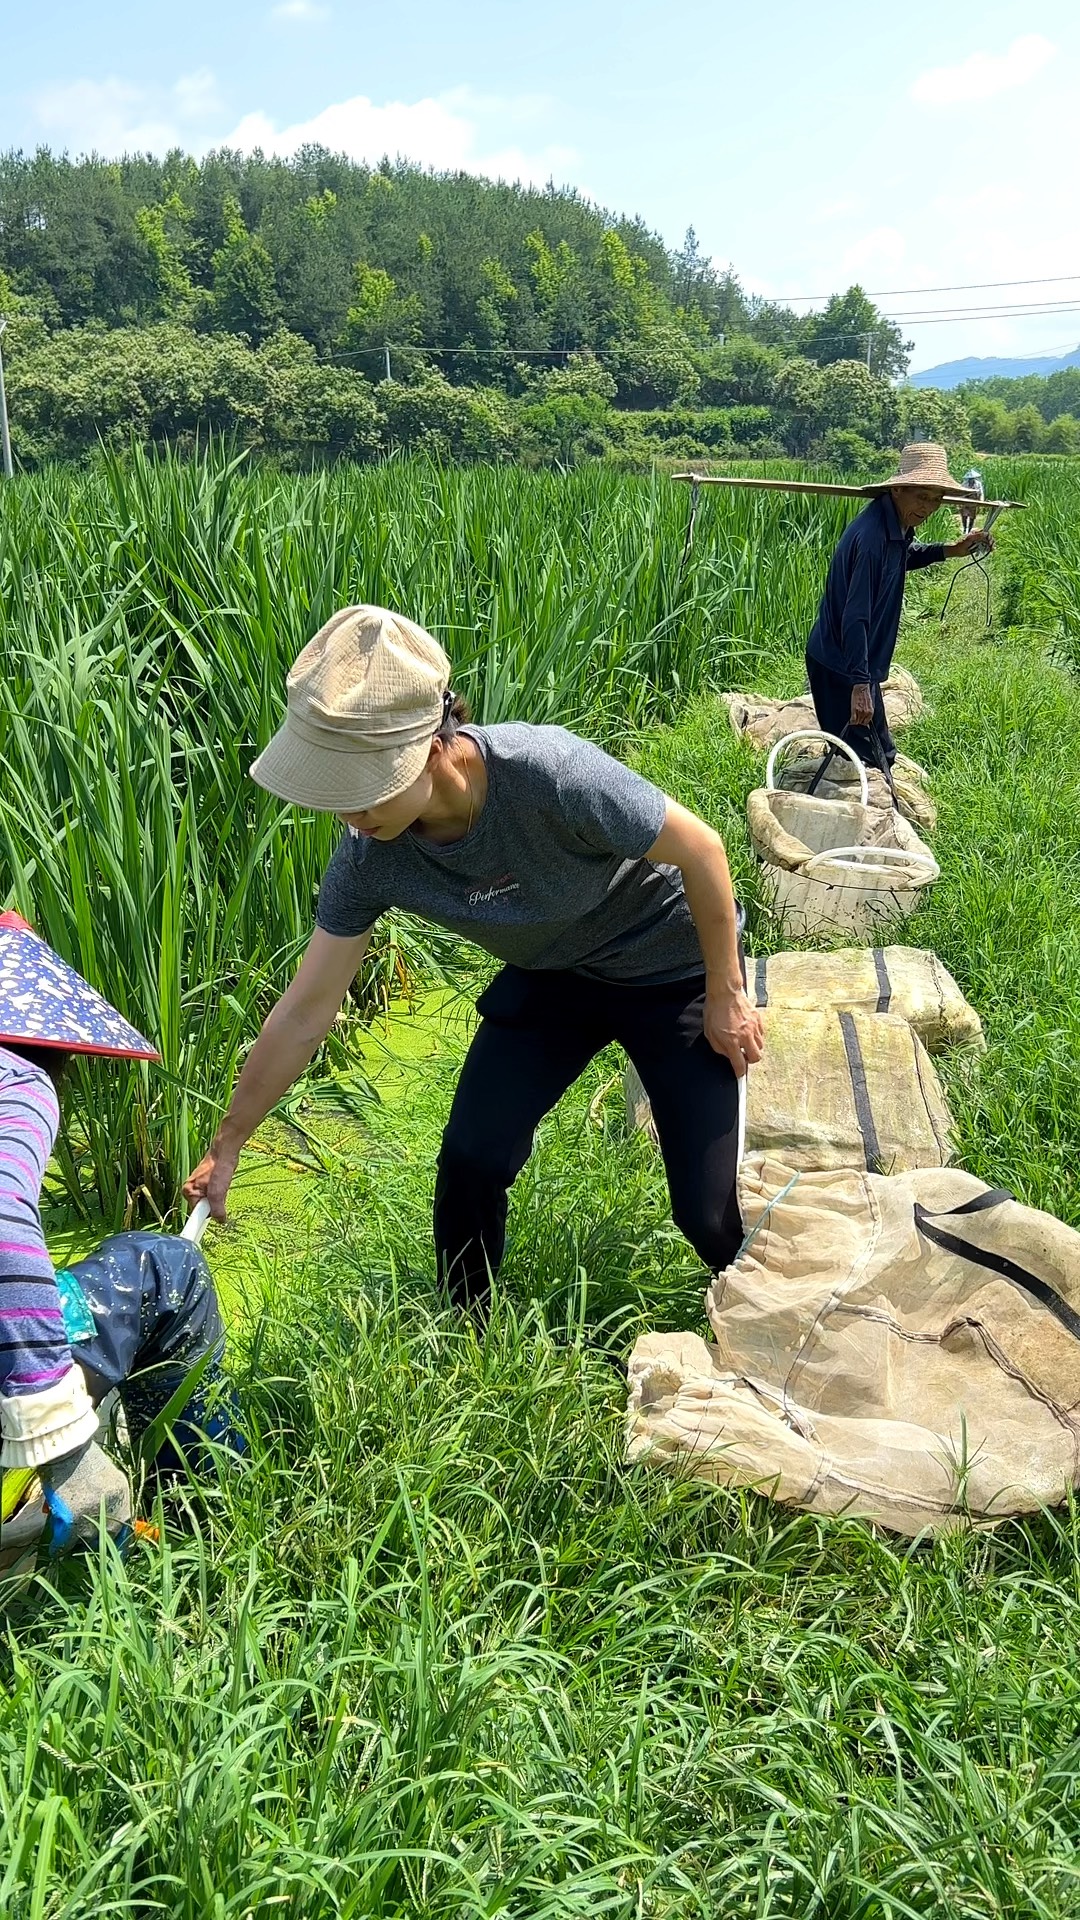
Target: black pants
{"points": [[537, 1034], [831, 695]]}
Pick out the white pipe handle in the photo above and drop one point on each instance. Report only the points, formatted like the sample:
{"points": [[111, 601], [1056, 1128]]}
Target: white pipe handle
{"points": [[875, 860], [195, 1225], [817, 733]]}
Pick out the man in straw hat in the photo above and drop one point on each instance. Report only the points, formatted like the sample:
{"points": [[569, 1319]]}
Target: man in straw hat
{"points": [[139, 1315], [610, 906], [849, 653]]}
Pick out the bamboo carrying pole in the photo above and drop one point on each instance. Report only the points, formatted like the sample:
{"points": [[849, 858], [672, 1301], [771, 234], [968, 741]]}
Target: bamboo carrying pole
{"points": [[960, 498]]}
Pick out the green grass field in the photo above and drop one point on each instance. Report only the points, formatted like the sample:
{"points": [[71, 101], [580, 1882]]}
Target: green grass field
{"points": [[432, 1649]]}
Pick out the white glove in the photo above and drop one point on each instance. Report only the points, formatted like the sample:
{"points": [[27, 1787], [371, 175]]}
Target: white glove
{"points": [[68, 1501]]}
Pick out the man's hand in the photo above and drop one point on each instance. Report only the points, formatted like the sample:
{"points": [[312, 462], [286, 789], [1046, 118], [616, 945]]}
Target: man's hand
{"points": [[862, 706], [212, 1178], [734, 1028], [972, 542]]}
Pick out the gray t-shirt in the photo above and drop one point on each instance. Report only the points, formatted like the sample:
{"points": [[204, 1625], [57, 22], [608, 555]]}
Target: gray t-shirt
{"points": [[552, 874]]}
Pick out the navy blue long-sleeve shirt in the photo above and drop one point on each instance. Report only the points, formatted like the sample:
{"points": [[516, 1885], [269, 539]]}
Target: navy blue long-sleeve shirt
{"points": [[859, 618]]}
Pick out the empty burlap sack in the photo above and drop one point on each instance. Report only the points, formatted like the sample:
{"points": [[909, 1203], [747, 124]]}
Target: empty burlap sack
{"points": [[793, 835], [840, 782], [902, 1349], [766, 721], [904, 980], [838, 1090]]}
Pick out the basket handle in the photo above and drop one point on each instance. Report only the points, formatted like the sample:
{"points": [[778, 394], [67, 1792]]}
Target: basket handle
{"points": [[834, 741], [876, 860]]}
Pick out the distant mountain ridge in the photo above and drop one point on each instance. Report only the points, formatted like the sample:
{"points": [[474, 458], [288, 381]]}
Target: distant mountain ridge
{"points": [[953, 373]]}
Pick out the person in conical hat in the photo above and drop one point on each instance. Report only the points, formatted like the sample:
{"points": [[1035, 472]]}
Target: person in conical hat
{"points": [[137, 1315], [850, 650], [610, 906]]}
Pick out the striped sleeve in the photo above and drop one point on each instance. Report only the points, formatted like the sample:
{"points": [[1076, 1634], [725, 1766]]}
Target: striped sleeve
{"points": [[34, 1352]]}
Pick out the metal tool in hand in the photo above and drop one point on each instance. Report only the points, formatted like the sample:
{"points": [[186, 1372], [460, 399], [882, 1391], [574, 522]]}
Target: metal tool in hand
{"points": [[973, 480]]}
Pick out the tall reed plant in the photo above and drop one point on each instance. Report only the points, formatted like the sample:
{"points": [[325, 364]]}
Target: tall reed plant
{"points": [[151, 608]]}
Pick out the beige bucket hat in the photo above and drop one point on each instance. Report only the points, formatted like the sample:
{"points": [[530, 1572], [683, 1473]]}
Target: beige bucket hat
{"points": [[923, 464], [365, 699]]}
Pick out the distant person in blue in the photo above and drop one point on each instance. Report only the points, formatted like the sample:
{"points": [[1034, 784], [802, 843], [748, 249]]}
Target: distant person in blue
{"points": [[849, 653]]}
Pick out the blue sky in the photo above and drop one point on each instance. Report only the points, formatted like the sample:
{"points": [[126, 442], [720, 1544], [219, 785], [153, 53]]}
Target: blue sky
{"points": [[906, 147]]}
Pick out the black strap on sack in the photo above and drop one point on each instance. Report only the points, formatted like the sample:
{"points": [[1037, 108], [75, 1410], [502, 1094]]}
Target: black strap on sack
{"points": [[864, 1112], [822, 770], [880, 761], [761, 981], [997, 1263], [884, 983]]}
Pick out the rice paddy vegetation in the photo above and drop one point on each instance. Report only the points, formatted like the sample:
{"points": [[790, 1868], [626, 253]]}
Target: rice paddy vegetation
{"points": [[150, 610], [431, 1649]]}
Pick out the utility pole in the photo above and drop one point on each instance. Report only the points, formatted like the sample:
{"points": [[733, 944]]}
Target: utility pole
{"points": [[386, 350], [869, 344], [5, 437]]}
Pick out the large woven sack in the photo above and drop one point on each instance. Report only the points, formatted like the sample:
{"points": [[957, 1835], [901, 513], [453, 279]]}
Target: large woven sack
{"points": [[836, 865], [903, 1349], [838, 1089], [906, 980], [766, 721]]}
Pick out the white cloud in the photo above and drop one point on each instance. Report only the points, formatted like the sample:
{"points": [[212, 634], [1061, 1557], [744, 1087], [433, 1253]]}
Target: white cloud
{"points": [[879, 252], [106, 116], [197, 96], [110, 117], [443, 133], [840, 209], [457, 130], [964, 226], [982, 75], [303, 12]]}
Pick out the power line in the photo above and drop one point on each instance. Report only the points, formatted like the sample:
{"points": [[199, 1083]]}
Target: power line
{"points": [[935, 317], [892, 293], [607, 353], [972, 319], [940, 317], [1016, 310]]}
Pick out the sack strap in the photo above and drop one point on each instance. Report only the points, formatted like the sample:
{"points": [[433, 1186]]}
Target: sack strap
{"points": [[864, 1112], [883, 764], [879, 758], [884, 983], [997, 1263]]}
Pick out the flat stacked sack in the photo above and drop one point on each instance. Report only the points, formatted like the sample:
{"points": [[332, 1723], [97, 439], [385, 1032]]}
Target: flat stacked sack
{"points": [[837, 1089], [794, 835], [903, 1349], [764, 722], [839, 782], [906, 980]]}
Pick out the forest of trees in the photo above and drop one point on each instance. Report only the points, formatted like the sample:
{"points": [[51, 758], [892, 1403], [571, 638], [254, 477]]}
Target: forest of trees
{"points": [[318, 309], [1037, 413]]}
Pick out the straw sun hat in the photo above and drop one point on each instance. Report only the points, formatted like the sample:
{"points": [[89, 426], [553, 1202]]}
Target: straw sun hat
{"points": [[364, 701], [923, 464]]}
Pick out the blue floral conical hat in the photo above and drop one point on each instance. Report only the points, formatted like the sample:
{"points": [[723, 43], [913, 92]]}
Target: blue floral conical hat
{"points": [[45, 1003]]}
